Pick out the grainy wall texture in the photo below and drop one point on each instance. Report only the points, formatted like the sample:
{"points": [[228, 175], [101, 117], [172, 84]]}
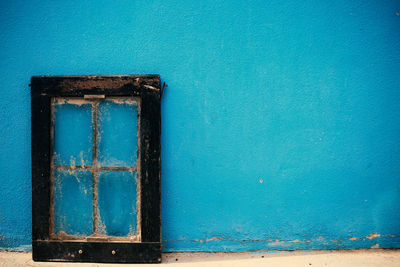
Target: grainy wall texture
{"points": [[280, 123]]}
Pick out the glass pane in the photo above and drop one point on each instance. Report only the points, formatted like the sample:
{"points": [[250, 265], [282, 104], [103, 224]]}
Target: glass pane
{"points": [[72, 132], [73, 202], [117, 203], [117, 127]]}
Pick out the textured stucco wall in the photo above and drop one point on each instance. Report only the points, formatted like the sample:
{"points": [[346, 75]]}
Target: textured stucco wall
{"points": [[280, 123]]}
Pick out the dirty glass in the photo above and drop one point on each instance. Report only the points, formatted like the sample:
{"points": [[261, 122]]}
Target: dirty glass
{"points": [[94, 168], [117, 125]]}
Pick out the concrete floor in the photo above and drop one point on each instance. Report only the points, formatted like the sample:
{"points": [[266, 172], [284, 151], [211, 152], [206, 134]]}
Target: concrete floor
{"points": [[353, 258]]}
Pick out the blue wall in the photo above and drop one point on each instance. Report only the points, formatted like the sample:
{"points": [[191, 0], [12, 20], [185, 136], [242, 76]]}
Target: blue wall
{"points": [[280, 125]]}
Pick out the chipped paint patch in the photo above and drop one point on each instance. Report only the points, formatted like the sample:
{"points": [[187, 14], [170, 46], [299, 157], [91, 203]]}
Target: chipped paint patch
{"points": [[123, 100], [373, 235], [150, 87], [213, 238], [70, 100]]}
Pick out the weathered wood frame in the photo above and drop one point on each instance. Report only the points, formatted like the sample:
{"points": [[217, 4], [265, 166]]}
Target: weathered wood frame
{"points": [[145, 87]]}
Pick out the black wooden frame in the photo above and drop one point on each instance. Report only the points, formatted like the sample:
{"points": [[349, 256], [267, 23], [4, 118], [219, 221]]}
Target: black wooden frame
{"points": [[145, 87]]}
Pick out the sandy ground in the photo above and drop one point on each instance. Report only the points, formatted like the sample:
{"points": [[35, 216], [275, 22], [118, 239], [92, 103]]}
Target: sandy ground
{"points": [[353, 258]]}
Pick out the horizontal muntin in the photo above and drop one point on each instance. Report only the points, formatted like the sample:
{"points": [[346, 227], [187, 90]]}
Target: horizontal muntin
{"points": [[100, 168]]}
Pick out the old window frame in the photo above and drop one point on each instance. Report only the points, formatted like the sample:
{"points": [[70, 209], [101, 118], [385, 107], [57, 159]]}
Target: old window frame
{"points": [[147, 89]]}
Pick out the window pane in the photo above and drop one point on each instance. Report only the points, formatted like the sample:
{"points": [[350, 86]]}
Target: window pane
{"points": [[72, 132], [73, 205], [117, 203], [117, 124]]}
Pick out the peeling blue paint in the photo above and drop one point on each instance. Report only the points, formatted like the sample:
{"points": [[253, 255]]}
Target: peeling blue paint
{"points": [[222, 244], [303, 95]]}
